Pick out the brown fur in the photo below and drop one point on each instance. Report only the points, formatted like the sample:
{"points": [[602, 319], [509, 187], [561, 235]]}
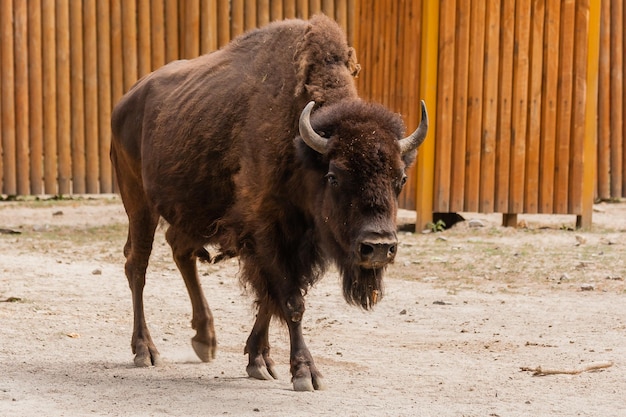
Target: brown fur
{"points": [[212, 146]]}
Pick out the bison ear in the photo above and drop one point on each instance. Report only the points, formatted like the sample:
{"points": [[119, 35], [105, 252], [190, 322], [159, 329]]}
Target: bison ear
{"points": [[353, 65]]}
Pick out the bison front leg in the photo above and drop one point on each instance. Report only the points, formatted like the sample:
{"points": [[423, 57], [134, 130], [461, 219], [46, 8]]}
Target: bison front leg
{"points": [[304, 374], [260, 365]]}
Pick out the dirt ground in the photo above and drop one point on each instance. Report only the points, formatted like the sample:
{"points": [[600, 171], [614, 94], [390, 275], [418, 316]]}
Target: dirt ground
{"points": [[464, 311]]}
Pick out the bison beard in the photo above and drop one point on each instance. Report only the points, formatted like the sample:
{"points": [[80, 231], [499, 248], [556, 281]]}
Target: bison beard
{"points": [[362, 287], [222, 147]]}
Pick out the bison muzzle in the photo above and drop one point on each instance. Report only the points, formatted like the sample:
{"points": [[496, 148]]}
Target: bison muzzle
{"points": [[262, 150]]}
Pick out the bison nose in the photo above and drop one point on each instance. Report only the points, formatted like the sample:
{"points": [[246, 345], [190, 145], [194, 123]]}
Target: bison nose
{"points": [[377, 251]]}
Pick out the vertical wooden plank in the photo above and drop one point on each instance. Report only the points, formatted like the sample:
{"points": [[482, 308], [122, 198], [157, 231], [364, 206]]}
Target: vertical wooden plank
{"points": [[223, 22], [617, 96], [171, 31], [564, 111], [104, 94], [591, 121], [208, 25], [315, 6], [276, 10], [129, 42], [445, 105], [604, 108], [428, 81], [157, 33], [549, 109], [533, 137], [352, 20], [289, 9], [519, 106], [90, 46], [505, 79], [64, 145], [250, 15], [341, 14], [77, 106], [579, 97], [263, 12], [21, 98], [35, 103], [474, 106], [490, 107], [191, 30], [302, 9], [48, 14], [459, 126], [144, 48], [328, 8], [236, 18], [8, 104]]}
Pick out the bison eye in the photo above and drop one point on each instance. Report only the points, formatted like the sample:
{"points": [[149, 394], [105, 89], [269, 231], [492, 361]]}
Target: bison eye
{"points": [[403, 181], [332, 179]]}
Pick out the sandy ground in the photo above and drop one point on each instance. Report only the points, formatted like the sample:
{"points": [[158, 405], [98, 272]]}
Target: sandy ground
{"points": [[464, 311]]}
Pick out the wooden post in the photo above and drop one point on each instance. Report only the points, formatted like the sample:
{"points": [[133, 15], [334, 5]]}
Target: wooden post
{"points": [[444, 110], [549, 110], [428, 89], [474, 106], [459, 124], [236, 18], [35, 100], [250, 14], [564, 110], [91, 96], [604, 108], [577, 158], [520, 106], [8, 103], [144, 48], [617, 97], [22, 122], [171, 31], [208, 25], [223, 22], [64, 145], [157, 33], [191, 30], [129, 43], [490, 107], [591, 127], [49, 97], [77, 89], [104, 95], [535, 101], [503, 149]]}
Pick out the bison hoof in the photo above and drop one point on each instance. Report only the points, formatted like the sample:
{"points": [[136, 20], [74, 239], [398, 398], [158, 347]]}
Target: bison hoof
{"points": [[308, 384], [147, 359], [205, 352], [261, 372]]}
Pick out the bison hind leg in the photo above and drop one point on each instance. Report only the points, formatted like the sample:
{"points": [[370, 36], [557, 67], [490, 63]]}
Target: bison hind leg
{"points": [[185, 252]]}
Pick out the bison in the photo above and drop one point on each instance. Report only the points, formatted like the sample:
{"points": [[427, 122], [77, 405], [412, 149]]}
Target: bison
{"points": [[262, 150]]}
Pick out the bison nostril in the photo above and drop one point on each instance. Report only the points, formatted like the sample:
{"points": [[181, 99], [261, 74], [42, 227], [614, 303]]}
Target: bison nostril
{"points": [[392, 251], [366, 250]]}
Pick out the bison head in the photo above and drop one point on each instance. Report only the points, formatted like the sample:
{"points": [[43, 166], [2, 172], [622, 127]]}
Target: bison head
{"points": [[359, 168]]}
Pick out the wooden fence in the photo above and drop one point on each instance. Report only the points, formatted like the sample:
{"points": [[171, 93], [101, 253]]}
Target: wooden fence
{"points": [[65, 63], [611, 174], [514, 110], [510, 85]]}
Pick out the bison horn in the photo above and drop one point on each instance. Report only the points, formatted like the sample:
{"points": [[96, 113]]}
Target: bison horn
{"points": [[410, 143], [309, 136]]}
